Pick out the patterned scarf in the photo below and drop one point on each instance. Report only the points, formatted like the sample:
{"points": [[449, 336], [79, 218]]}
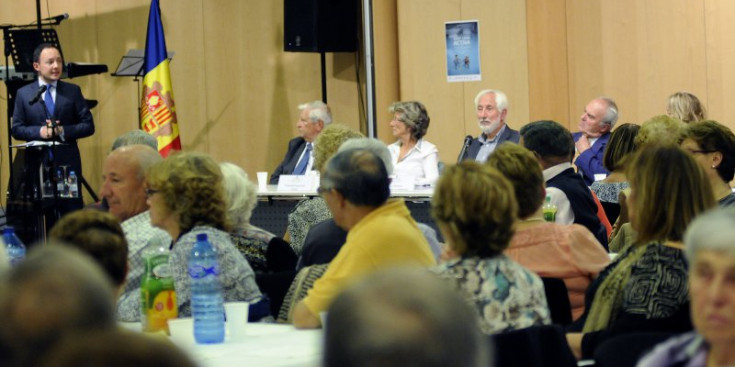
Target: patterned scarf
{"points": [[609, 296]]}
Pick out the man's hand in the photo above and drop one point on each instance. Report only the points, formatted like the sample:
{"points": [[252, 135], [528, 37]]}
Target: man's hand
{"points": [[47, 132], [582, 143]]}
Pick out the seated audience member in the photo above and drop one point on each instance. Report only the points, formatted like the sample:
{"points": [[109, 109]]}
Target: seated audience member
{"points": [[187, 198], [325, 238], [618, 150], [411, 155], [355, 187], [100, 236], [595, 124], [645, 288], [299, 159], [475, 208], [710, 251], [713, 146], [567, 252], [553, 146], [115, 348], [135, 137], [658, 130], [312, 211], [491, 108], [253, 242], [403, 317], [123, 188], [685, 107], [55, 291]]}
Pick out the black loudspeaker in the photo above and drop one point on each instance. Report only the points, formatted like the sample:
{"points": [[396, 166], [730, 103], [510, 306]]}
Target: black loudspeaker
{"points": [[320, 25]]}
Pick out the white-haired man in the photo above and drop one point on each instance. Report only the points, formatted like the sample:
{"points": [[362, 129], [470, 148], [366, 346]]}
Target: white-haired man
{"points": [[299, 157], [595, 124], [492, 110]]}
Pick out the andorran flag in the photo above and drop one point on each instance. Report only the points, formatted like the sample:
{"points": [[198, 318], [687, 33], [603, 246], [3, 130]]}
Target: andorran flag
{"points": [[157, 111]]}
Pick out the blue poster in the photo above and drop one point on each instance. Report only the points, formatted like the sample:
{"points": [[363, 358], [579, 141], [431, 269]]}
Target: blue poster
{"points": [[463, 51]]}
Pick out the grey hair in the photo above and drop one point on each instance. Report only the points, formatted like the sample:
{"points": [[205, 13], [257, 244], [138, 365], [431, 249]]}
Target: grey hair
{"points": [[403, 317], [712, 231], [241, 194], [135, 137], [414, 115], [144, 155], [501, 100], [611, 112], [373, 145], [318, 110]]}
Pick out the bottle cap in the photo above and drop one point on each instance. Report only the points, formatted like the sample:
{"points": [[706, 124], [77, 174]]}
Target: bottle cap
{"points": [[9, 229], [202, 237]]}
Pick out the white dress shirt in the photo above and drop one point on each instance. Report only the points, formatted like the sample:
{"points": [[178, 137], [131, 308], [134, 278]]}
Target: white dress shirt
{"points": [[564, 213], [421, 162]]}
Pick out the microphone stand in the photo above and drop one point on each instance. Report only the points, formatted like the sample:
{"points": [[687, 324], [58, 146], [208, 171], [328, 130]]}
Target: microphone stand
{"points": [[52, 162]]}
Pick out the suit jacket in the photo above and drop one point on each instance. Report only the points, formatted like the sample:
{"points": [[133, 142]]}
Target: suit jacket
{"points": [[590, 162], [507, 135], [71, 111], [290, 160]]}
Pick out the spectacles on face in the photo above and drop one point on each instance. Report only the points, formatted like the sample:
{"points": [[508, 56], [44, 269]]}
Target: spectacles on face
{"points": [[149, 192]]}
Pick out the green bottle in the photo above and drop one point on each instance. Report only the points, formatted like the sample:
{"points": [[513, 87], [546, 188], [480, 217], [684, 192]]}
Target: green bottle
{"points": [[157, 293], [549, 210]]}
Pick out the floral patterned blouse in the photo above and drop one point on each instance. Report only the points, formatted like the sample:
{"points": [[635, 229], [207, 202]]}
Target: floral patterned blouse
{"points": [[506, 295]]}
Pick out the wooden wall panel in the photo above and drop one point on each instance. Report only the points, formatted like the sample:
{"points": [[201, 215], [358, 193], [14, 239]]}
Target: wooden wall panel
{"points": [[422, 65], [720, 54]]}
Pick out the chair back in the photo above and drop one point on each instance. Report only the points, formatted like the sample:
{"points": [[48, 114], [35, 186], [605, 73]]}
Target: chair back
{"points": [[537, 346], [557, 296]]}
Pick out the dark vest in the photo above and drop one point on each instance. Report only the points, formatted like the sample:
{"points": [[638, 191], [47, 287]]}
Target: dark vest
{"points": [[581, 201]]}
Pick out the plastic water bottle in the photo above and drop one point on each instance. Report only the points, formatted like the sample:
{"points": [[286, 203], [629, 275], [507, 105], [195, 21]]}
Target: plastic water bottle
{"points": [[549, 210], [73, 187], [206, 293], [60, 182], [14, 246], [157, 293]]}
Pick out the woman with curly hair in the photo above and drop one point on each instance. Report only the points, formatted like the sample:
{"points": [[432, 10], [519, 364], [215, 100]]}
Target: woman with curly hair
{"points": [[186, 198], [412, 155], [476, 210]]}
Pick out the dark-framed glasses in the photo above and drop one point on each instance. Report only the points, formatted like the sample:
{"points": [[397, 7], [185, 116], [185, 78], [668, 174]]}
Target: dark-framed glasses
{"points": [[149, 192]]}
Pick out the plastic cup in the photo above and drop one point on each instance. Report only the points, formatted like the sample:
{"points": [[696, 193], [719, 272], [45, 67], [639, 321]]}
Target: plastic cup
{"points": [[182, 331], [237, 319], [262, 180]]}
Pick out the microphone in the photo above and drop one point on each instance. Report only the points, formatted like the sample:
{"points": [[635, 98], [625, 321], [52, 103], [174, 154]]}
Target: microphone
{"points": [[38, 95], [465, 145], [58, 18]]}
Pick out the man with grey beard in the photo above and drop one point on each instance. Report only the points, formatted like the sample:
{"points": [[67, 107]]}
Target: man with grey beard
{"points": [[492, 110]]}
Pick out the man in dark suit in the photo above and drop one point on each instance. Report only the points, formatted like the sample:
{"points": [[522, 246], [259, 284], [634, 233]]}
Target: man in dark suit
{"points": [[68, 117], [595, 124], [313, 118], [554, 148], [492, 110]]}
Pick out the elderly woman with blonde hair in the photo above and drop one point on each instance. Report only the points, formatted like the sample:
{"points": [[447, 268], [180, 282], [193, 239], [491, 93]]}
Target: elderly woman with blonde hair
{"points": [[476, 210], [686, 107], [253, 242], [187, 198], [412, 156]]}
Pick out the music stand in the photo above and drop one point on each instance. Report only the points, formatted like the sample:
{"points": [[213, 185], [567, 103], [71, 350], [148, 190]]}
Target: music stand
{"points": [[132, 63], [23, 42]]}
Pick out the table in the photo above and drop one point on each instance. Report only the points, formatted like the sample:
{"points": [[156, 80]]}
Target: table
{"points": [[273, 207], [266, 345]]}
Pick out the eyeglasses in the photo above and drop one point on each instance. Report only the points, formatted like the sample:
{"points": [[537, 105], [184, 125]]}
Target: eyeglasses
{"points": [[149, 192], [323, 190]]}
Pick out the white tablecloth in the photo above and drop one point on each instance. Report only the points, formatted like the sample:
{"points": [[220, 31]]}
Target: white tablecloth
{"points": [[266, 345]]}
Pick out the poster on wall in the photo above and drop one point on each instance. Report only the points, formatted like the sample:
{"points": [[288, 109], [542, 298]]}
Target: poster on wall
{"points": [[463, 51]]}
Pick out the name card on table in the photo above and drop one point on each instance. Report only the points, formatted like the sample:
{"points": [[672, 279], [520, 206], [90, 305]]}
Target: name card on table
{"points": [[402, 183], [297, 183]]}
